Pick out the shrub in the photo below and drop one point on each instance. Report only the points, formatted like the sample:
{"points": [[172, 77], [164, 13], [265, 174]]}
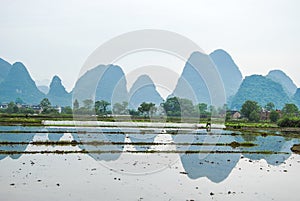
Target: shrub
{"points": [[289, 122], [274, 116], [254, 116]]}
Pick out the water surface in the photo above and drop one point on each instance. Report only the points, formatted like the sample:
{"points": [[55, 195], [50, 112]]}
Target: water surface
{"points": [[145, 165]]}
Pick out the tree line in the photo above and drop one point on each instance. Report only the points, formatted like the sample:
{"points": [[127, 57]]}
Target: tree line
{"points": [[44, 107], [288, 116], [172, 107]]}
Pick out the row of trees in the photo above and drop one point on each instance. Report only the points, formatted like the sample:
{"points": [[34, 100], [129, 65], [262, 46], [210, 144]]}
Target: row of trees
{"points": [[253, 111], [174, 107], [47, 108], [44, 107], [13, 108]]}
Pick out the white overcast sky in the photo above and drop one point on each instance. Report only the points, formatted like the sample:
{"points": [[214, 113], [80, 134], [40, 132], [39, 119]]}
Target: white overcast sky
{"points": [[56, 36]]}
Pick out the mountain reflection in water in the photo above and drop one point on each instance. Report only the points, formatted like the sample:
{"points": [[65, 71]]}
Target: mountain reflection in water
{"points": [[200, 163]]}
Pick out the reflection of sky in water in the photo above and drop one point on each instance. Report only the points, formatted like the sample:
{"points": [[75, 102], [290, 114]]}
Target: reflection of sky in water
{"points": [[268, 143], [81, 178]]}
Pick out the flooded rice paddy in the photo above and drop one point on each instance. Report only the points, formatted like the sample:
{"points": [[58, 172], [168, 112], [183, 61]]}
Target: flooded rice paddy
{"points": [[110, 163]]}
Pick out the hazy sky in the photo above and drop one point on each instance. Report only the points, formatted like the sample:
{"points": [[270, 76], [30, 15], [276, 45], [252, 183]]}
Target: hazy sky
{"points": [[56, 36]]}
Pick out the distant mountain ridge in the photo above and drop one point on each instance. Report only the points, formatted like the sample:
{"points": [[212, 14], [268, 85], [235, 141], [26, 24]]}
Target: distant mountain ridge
{"points": [[43, 85], [143, 90], [4, 69], [296, 98], [286, 82], [57, 93], [262, 90], [44, 89], [192, 84], [104, 82], [19, 84], [229, 71], [108, 82]]}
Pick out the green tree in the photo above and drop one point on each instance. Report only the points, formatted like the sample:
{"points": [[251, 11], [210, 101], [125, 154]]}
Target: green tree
{"points": [[254, 116], [213, 110], [46, 106], [187, 107], [26, 110], [290, 110], [176, 106], [12, 108], [249, 107], [172, 107], [45, 103], [270, 106], [101, 107], [202, 108], [88, 104], [228, 115], [222, 110], [133, 112], [274, 116], [121, 108], [19, 101], [67, 110], [76, 105], [147, 109]]}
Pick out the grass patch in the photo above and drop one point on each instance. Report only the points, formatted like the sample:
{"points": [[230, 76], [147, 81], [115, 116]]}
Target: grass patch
{"points": [[241, 125]]}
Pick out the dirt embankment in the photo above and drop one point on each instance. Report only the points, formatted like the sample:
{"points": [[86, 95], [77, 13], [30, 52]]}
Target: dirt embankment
{"points": [[296, 148]]}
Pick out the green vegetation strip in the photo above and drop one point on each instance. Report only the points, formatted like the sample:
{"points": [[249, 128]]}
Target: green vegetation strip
{"points": [[241, 125], [100, 143], [3, 152]]}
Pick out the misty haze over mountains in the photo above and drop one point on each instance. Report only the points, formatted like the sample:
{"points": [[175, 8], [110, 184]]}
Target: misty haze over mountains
{"points": [[108, 82]]}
